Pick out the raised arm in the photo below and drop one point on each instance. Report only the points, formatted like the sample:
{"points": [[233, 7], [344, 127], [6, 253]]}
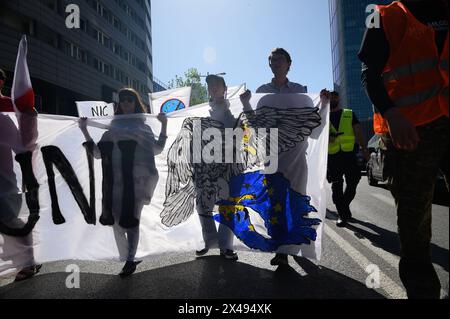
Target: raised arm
{"points": [[161, 142], [245, 100], [82, 124]]}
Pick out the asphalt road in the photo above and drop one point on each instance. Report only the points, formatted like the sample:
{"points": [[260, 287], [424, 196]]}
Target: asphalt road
{"points": [[367, 249]]}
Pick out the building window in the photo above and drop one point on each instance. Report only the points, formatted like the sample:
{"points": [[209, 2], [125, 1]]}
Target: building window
{"points": [[51, 4], [75, 52], [99, 8], [83, 25], [102, 38], [47, 35], [133, 60], [136, 85], [126, 56], [117, 74], [107, 69], [116, 22], [99, 65], [117, 48]]}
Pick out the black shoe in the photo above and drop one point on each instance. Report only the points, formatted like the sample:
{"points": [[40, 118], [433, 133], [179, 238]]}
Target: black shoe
{"points": [[341, 222], [106, 220], [28, 272], [202, 252], [129, 268], [279, 259], [129, 222], [229, 254]]}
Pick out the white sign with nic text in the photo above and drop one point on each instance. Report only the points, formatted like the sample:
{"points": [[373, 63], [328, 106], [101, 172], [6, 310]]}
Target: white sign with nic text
{"points": [[94, 109]]}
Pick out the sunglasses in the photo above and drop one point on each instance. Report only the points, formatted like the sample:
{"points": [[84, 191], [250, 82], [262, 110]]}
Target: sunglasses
{"points": [[129, 99]]}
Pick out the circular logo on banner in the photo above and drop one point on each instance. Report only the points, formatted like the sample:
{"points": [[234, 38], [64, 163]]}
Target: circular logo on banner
{"points": [[172, 105]]}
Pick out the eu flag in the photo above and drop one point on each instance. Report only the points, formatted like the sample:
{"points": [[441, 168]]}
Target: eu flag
{"points": [[283, 211]]}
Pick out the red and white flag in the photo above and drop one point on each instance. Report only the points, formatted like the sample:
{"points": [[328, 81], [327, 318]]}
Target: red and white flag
{"points": [[22, 96], [22, 93]]}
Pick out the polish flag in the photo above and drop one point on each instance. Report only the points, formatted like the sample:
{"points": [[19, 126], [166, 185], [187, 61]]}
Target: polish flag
{"points": [[22, 93], [22, 96]]}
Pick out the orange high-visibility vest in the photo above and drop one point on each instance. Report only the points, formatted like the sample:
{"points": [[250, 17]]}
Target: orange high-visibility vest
{"points": [[415, 76]]}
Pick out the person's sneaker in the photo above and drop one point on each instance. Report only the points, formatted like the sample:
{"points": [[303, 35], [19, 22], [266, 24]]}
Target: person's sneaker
{"points": [[229, 254], [201, 252], [28, 272], [279, 259], [341, 222], [129, 268]]}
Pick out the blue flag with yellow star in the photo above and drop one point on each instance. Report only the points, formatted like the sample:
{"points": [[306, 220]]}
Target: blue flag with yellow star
{"points": [[283, 210]]}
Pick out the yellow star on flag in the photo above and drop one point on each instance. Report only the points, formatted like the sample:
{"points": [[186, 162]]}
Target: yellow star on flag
{"points": [[278, 208]]}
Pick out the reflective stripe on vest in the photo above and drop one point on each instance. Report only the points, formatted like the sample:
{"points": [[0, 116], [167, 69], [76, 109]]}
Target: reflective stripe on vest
{"points": [[410, 69], [346, 141], [418, 97]]}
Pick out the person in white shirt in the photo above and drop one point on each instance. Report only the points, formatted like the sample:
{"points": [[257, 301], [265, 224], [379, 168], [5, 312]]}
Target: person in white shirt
{"points": [[280, 62], [220, 111]]}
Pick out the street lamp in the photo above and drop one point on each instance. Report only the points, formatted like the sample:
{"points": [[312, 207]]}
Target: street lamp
{"points": [[204, 76]]}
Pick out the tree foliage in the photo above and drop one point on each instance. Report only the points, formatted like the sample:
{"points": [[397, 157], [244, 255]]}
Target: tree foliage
{"points": [[191, 78]]}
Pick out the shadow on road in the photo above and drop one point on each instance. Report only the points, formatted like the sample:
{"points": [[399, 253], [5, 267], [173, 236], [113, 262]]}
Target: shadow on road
{"points": [[345, 287], [389, 241], [440, 196], [208, 277], [331, 215]]}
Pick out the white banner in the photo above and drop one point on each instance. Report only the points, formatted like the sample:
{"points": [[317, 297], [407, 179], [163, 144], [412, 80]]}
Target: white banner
{"points": [[235, 91], [94, 109], [77, 199], [170, 100]]}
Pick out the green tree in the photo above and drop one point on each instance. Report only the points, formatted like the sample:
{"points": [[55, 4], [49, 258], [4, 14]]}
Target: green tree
{"points": [[191, 78]]}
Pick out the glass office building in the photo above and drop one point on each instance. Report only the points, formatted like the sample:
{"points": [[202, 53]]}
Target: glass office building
{"points": [[347, 25], [111, 49]]}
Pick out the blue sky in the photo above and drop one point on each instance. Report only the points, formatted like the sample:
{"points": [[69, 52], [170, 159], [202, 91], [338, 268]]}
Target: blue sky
{"points": [[236, 37]]}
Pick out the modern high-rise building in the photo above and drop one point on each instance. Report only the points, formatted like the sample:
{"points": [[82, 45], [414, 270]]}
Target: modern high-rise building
{"points": [[158, 85], [347, 25], [111, 49]]}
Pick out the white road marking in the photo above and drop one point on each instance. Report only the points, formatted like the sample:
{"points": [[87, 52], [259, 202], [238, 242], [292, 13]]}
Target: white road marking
{"points": [[392, 289], [390, 258], [386, 199]]}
